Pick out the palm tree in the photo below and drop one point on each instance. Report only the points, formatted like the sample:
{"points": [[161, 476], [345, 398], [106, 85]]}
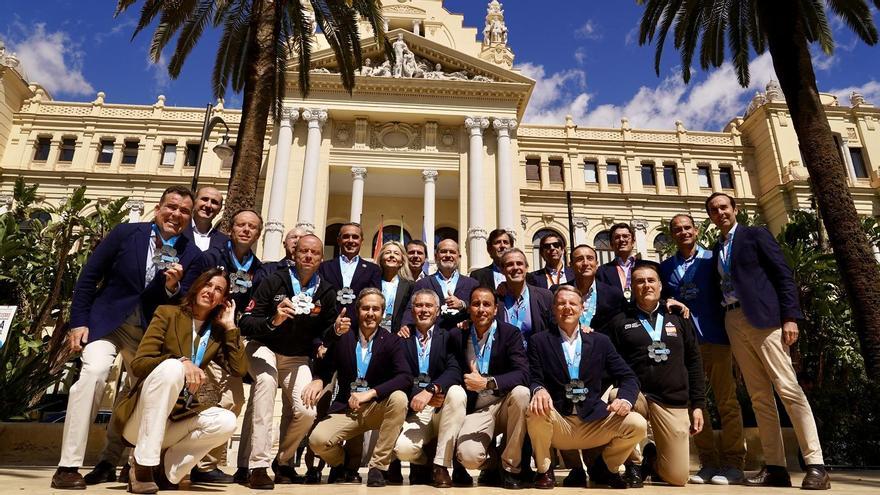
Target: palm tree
{"points": [[787, 28], [258, 36]]}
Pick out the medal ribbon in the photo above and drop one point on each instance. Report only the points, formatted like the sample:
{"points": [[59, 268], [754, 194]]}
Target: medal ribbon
{"points": [[170, 242], [424, 354], [297, 287], [573, 361], [624, 270], [389, 290], [485, 353], [549, 275], [516, 310], [726, 251], [448, 285], [196, 355], [590, 303], [361, 359], [248, 260], [656, 332]]}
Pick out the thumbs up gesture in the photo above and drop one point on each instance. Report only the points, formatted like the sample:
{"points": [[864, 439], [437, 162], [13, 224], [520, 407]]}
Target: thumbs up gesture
{"points": [[453, 302], [474, 381], [343, 323]]}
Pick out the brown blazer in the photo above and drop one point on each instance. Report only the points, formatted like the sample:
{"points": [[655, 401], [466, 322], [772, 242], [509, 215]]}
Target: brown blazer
{"points": [[169, 336]]}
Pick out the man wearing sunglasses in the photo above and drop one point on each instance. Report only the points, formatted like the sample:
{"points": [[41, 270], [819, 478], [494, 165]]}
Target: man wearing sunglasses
{"points": [[618, 272], [555, 272]]}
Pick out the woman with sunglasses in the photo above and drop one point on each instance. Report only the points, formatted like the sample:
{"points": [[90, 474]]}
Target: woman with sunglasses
{"points": [[178, 422]]}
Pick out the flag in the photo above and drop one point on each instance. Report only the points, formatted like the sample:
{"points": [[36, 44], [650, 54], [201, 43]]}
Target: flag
{"points": [[379, 238], [402, 241]]}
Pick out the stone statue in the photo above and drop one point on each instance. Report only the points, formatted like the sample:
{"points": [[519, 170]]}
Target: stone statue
{"points": [[383, 70], [400, 49], [773, 91], [856, 99], [367, 69], [410, 68]]}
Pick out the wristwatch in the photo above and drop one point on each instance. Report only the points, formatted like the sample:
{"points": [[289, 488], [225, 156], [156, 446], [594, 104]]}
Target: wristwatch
{"points": [[491, 384]]}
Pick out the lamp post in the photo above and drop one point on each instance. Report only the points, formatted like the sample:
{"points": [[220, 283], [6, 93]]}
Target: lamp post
{"points": [[222, 150]]}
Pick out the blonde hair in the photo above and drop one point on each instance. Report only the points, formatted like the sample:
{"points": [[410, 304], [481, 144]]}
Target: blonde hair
{"points": [[404, 266]]}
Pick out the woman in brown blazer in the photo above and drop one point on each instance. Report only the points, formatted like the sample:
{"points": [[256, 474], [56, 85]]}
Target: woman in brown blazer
{"points": [[170, 415]]}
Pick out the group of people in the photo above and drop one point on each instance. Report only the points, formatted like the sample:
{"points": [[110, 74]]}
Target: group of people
{"points": [[574, 364]]}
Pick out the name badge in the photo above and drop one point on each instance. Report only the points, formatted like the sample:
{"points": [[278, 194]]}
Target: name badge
{"points": [[627, 293]]}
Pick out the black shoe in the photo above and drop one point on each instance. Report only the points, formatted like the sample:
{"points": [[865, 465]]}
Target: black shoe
{"points": [[337, 475], [375, 478], [598, 472], [162, 480], [68, 478], [489, 477], [614, 480], [460, 476], [577, 478], [124, 474], [632, 475], [394, 476], [527, 476], [259, 480], [213, 476], [352, 477], [103, 472], [241, 476], [313, 477], [816, 478], [419, 474], [510, 481], [776, 476], [286, 475], [649, 464]]}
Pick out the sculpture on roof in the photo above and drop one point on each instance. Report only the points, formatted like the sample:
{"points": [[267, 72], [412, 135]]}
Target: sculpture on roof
{"points": [[495, 32]]}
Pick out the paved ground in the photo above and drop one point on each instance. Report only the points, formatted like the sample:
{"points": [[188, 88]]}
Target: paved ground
{"points": [[36, 480]]}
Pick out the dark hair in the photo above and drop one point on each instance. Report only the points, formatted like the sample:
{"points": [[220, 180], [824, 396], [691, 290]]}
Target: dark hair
{"points": [[350, 224], [418, 243], [179, 190], [484, 289], [640, 265], [369, 291], [495, 234], [694, 223], [618, 226], [189, 299], [249, 210], [587, 246], [552, 234], [717, 194]]}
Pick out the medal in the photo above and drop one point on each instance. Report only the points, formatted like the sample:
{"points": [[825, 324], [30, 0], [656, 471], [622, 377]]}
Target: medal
{"points": [[448, 288], [484, 355], [447, 311], [590, 302], [360, 385], [386, 322], [658, 351], [302, 298], [302, 304], [725, 258], [362, 362], [575, 391], [166, 255], [240, 282], [422, 381], [345, 296], [627, 293], [389, 291]]}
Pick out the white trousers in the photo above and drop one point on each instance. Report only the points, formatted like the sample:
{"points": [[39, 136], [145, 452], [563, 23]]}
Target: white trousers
{"points": [[85, 395], [186, 441], [443, 424]]}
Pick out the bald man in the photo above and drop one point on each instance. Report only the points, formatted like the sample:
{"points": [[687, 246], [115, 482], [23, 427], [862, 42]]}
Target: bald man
{"points": [[290, 240], [201, 231]]}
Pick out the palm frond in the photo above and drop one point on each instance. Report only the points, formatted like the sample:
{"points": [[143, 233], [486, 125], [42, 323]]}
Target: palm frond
{"points": [[687, 29], [189, 35], [714, 27], [173, 16], [738, 39], [816, 25], [857, 15], [232, 41]]}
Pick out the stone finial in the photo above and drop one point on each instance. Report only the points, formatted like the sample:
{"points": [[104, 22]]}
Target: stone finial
{"points": [[774, 92], [219, 106], [679, 126], [624, 124], [569, 121], [99, 98], [856, 99], [160, 102]]}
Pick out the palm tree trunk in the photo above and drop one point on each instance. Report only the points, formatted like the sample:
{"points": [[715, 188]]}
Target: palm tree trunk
{"points": [[259, 91], [859, 270]]}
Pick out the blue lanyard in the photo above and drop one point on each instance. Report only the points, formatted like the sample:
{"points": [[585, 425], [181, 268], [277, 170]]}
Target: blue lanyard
{"points": [[726, 252], [573, 361], [448, 285], [242, 267], [485, 353], [169, 242], [516, 310], [389, 290], [196, 355], [297, 287], [424, 354], [590, 304], [363, 361], [656, 332]]}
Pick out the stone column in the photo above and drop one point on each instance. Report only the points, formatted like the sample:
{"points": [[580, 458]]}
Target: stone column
{"points": [[506, 189], [641, 228], [430, 178], [135, 210], [417, 27], [477, 234], [316, 118], [274, 235], [358, 175]]}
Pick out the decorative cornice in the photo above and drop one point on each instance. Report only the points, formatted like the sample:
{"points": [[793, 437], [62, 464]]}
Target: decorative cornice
{"points": [[640, 224]]}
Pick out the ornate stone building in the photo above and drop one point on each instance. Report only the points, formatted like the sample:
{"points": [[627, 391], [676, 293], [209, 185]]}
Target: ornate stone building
{"points": [[433, 143]]}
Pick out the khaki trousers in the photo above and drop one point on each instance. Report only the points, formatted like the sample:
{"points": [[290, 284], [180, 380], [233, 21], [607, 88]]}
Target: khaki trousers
{"points": [[766, 366], [671, 428], [443, 424], [86, 393], [114, 449], [718, 367], [482, 426], [619, 435], [231, 399], [269, 370], [184, 442], [387, 416]]}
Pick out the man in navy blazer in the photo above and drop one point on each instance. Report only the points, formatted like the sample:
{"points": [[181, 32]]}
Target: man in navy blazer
{"points": [[567, 411], [524, 306], [760, 300], [618, 272], [601, 301], [552, 250], [496, 382], [373, 378], [348, 273], [201, 230], [491, 276], [453, 288], [113, 301]]}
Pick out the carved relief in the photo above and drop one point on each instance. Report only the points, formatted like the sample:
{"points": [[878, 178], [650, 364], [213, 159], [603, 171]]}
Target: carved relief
{"points": [[343, 133], [396, 136], [447, 137]]}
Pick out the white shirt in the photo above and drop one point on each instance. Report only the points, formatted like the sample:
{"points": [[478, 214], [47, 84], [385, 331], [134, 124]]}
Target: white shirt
{"points": [[348, 266], [364, 343], [425, 340], [203, 241]]}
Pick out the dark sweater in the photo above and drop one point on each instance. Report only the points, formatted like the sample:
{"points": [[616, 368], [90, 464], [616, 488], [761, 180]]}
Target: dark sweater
{"points": [[675, 382]]}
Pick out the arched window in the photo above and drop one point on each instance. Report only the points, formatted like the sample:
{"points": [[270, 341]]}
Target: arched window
{"points": [[536, 261], [602, 243], [662, 245], [445, 233], [331, 247], [391, 233]]}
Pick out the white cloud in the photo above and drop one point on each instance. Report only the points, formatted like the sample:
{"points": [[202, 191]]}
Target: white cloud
{"points": [[53, 60], [125, 24], [159, 71], [589, 31], [580, 55], [870, 90], [706, 104], [632, 36]]}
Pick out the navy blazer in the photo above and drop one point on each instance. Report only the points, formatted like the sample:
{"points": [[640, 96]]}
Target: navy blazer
{"points": [[444, 366], [218, 239], [539, 278], [540, 310], [598, 357], [366, 274], [387, 372], [111, 284], [609, 302], [223, 257], [607, 273], [485, 276], [762, 279], [508, 363], [463, 290], [273, 266]]}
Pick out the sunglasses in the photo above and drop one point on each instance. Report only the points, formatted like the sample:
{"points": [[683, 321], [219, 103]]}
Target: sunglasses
{"points": [[552, 245]]}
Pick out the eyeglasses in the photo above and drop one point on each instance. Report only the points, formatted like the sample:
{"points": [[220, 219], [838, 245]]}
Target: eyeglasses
{"points": [[552, 245]]}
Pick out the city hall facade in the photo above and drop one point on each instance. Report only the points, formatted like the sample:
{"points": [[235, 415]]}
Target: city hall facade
{"points": [[432, 143]]}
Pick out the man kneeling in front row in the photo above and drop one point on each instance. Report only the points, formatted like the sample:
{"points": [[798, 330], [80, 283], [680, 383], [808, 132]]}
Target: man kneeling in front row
{"points": [[567, 411]]}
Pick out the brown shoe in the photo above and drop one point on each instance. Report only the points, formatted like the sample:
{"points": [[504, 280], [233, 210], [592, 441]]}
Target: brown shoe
{"points": [[259, 480], [440, 477], [140, 479], [816, 479], [124, 474], [68, 478], [775, 476], [545, 481]]}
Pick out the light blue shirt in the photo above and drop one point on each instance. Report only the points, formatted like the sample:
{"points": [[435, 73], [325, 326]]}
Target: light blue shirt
{"points": [[518, 312], [497, 275], [348, 266], [726, 252]]}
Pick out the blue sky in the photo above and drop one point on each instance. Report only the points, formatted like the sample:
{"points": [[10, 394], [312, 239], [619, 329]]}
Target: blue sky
{"points": [[584, 56]]}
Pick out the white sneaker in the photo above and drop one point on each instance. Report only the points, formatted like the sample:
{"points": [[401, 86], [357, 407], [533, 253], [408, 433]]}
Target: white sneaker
{"points": [[703, 476], [729, 476]]}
